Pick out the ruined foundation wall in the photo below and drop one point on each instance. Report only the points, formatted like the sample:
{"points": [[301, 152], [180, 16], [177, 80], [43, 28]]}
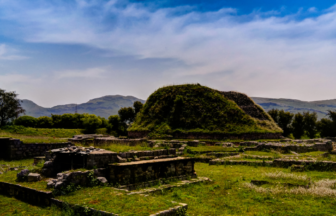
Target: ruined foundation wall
{"points": [[14, 149]]}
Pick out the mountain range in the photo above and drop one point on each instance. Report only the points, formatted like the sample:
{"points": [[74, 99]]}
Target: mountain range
{"points": [[103, 106], [109, 105]]}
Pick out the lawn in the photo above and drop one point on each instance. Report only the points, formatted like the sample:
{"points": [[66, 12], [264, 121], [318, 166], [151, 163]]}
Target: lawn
{"points": [[10, 176], [212, 148], [12, 206], [227, 195], [38, 135], [124, 148], [115, 201]]}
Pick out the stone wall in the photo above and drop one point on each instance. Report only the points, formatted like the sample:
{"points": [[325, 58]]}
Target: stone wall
{"points": [[144, 171], [216, 136], [59, 160], [101, 141], [29, 195], [14, 149], [299, 148], [137, 134]]}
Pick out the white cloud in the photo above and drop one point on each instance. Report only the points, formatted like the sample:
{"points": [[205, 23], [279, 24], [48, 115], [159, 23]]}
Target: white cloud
{"points": [[87, 73], [260, 54], [7, 53]]}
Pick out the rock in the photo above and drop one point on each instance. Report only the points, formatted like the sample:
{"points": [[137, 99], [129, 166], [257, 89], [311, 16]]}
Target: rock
{"points": [[51, 184], [22, 174], [59, 175], [156, 157], [34, 177], [102, 180], [137, 159], [156, 146], [121, 160], [1, 173], [58, 185], [181, 149], [48, 164]]}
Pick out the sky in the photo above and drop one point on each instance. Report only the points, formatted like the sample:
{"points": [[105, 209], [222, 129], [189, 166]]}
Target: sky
{"points": [[70, 51]]}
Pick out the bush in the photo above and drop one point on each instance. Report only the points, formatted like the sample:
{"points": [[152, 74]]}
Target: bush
{"points": [[26, 121], [91, 122], [44, 122]]}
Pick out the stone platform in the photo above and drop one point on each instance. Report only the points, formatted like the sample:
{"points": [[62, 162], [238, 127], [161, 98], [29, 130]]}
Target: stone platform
{"points": [[150, 170]]}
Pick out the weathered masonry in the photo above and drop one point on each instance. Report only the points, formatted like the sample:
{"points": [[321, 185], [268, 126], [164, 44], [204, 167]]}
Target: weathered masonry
{"points": [[144, 171], [13, 149]]}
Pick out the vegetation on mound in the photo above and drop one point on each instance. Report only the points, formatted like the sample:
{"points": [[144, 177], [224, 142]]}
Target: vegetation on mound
{"points": [[196, 108]]}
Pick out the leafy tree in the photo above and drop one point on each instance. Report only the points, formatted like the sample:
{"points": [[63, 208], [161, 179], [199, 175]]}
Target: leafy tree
{"points": [[26, 121], [91, 122], [137, 107], [274, 113], [44, 122], [57, 120], [298, 126], [10, 107], [116, 125], [326, 128], [310, 123], [126, 115], [284, 121]]}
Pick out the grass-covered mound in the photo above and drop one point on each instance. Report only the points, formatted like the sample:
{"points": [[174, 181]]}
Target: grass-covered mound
{"points": [[196, 108]]}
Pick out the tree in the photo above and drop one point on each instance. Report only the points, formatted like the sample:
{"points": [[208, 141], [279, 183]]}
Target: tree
{"points": [[310, 123], [274, 113], [91, 122], [126, 114], [44, 122], [298, 126], [10, 107], [326, 128], [137, 107], [26, 121], [116, 125], [284, 121]]}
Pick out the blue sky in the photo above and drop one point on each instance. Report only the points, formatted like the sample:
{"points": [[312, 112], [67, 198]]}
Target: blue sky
{"points": [[69, 51]]}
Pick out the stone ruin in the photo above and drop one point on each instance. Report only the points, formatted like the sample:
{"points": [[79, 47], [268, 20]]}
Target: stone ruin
{"points": [[128, 169], [299, 146]]}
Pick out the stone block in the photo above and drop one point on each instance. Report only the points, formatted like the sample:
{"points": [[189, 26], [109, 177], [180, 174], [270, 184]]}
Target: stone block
{"points": [[102, 180], [34, 177]]}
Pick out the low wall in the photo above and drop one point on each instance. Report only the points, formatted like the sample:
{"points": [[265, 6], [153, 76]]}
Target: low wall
{"points": [[144, 171], [60, 161], [29, 195], [299, 148], [14, 149], [137, 134], [216, 136], [101, 141]]}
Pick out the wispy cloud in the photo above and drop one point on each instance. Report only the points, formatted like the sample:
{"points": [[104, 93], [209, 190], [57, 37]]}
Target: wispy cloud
{"points": [[87, 73], [7, 53], [265, 54]]}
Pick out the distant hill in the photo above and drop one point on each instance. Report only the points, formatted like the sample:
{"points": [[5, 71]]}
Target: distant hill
{"points": [[103, 106], [295, 106], [109, 105]]}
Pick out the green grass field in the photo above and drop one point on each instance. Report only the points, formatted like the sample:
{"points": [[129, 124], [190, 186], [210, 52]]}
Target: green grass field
{"points": [[12, 206], [38, 135], [10, 176]]}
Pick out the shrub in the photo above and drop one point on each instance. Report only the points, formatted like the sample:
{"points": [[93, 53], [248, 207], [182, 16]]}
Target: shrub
{"points": [[44, 122], [26, 121], [91, 122]]}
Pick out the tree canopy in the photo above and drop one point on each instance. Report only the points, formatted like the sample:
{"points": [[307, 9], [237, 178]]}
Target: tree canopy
{"points": [[10, 107]]}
